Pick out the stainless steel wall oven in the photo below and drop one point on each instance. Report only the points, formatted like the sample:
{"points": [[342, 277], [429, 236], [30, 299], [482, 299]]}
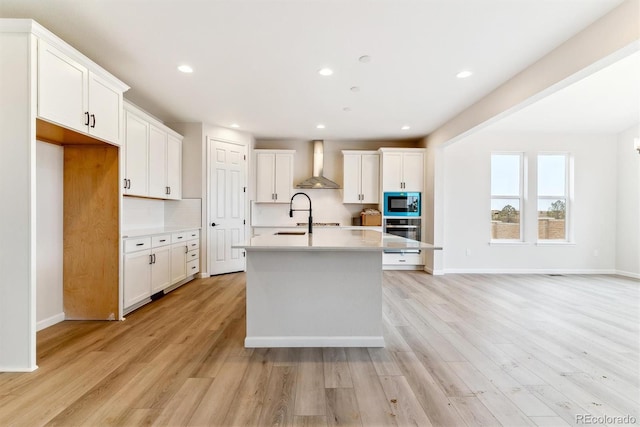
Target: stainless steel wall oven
{"points": [[404, 227]]}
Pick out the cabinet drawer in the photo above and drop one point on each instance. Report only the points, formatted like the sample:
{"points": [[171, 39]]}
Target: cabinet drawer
{"points": [[402, 259], [193, 267], [179, 237], [133, 245], [194, 254], [193, 235], [163, 240], [193, 245]]}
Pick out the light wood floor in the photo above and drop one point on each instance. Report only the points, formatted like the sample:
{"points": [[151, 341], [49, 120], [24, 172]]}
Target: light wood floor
{"points": [[461, 350]]}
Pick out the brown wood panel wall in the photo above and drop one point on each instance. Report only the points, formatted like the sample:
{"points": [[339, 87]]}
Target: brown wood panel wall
{"points": [[91, 232]]}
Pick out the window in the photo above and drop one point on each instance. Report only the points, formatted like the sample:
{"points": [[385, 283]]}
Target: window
{"points": [[506, 196], [552, 196]]}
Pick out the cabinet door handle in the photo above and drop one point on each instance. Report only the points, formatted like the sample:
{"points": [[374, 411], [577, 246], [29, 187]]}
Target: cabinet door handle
{"points": [[86, 113], [139, 244], [169, 189], [154, 258], [93, 118], [125, 183], [186, 249], [150, 259], [163, 240]]}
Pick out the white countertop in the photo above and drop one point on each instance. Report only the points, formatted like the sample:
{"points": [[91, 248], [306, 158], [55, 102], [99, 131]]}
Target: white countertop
{"points": [[304, 227], [127, 234], [332, 239]]}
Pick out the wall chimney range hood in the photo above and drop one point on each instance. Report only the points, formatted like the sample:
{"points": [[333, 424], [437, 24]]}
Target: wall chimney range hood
{"points": [[318, 180]]}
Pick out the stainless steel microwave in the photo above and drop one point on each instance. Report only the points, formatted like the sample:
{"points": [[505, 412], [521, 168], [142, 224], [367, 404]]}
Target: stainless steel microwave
{"points": [[402, 204]]}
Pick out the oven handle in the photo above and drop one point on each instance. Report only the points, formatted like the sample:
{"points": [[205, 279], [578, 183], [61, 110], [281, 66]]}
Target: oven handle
{"points": [[402, 226]]}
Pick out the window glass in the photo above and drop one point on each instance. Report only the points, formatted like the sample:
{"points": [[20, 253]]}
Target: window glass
{"points": [[505, 174], [552, 197], [551, 174], [506, 196]]}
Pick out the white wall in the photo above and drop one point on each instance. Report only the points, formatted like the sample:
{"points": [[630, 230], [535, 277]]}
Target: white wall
{"points": [[17, 190], [628, 205], [49, 234], [467, 206]]}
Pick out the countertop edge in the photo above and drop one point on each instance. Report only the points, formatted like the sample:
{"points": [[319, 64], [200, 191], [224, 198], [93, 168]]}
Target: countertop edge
{"points": [[130, 234]]}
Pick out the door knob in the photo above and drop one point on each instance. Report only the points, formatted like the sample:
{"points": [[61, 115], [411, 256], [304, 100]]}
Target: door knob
{"points": [[213, 224]]}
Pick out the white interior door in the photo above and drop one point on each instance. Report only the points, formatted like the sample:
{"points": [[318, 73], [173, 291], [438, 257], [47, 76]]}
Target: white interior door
{"points": [[226, 226]]}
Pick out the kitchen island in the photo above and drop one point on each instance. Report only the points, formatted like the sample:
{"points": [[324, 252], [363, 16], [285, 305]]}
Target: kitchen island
{"points": [[317, 290]]}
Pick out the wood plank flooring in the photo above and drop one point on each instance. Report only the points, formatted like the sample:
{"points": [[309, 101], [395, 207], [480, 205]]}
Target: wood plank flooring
{"points": [[462, 350]]}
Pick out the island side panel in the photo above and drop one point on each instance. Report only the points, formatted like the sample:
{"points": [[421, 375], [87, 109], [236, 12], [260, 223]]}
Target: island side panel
{"points": [[314, 299]]}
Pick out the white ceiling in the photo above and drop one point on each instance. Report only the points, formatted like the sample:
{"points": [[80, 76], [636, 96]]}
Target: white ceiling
{"points": [[256, 61]]}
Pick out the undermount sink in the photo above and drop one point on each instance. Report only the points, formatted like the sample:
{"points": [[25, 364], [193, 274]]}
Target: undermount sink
{"points": [[290, 233]]}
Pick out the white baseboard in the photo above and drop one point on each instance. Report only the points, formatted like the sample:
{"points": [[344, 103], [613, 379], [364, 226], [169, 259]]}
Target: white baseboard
{"points": [[367, 341], [525, 271], [628, 274], [50, 321], [17, 369], [202, 275], [433, 272]]}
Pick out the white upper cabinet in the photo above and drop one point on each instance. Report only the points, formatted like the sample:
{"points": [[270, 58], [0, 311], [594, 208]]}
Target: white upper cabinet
{"points": [[361, 177], [157, 162], [174, 167], [71, 95], [105, 109], [153, 157], [136, 142], [402, 169], [274, 175]]}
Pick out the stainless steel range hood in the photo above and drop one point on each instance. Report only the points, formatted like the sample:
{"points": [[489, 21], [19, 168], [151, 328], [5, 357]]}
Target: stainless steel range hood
{"points": [[318, 180]]}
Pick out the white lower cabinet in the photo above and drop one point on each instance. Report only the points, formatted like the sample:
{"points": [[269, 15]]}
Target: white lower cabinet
{"points": [[154, 263], [160, 269], [137, 277], [178, 261], [398, 259]]}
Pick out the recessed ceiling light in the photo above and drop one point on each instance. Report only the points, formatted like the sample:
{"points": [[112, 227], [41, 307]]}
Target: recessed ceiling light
{"points": [[185, 68], [235, 125], [347, 109], [325, 71], [464, 74], [355, 89], [364, 58], [320, 126], [405, 127]]}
